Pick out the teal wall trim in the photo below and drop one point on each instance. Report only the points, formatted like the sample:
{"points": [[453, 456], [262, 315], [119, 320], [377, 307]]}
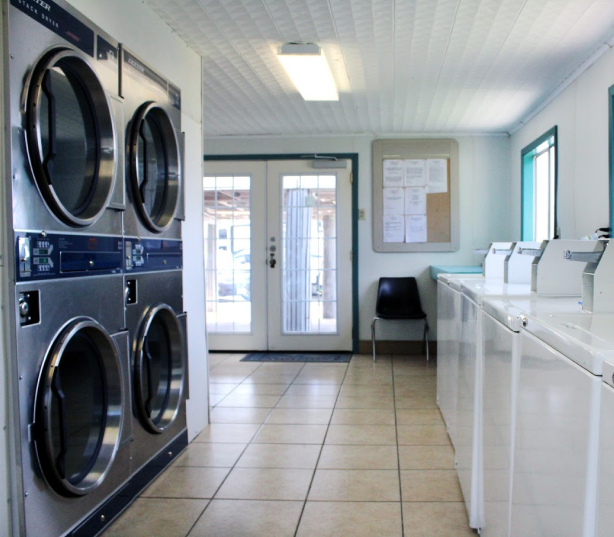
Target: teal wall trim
{"points": [[611, 152], [353, 157]]}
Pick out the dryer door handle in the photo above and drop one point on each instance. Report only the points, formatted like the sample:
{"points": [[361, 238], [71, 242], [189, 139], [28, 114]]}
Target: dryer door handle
{"points": [[60, 461]]}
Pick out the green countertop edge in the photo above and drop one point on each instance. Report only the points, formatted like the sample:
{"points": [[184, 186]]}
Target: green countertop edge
{"points": [[454, 269]]}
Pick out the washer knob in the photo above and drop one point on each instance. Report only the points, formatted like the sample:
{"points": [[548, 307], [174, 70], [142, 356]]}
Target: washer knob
{"points": [[24, 307]]}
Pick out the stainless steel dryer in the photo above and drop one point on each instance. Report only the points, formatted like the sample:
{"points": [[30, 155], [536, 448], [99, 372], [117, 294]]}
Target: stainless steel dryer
{"points": [[153, 151], [66, 121], [158, 347], [72, 362]]}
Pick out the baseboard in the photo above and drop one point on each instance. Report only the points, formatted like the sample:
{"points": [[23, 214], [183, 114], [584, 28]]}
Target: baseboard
{"points": [[397, 347]]}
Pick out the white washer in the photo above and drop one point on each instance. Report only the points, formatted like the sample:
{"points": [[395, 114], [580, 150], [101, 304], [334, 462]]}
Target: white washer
{"points": [[501, 350], [557, 426], [605, 499]]}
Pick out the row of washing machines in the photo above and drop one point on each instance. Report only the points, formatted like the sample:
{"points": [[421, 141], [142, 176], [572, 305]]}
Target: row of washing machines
{"points": [[99, 366], [524, 383]]}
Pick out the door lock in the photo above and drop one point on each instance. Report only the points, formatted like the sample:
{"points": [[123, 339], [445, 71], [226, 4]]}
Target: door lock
{"points": [[272, 260]]}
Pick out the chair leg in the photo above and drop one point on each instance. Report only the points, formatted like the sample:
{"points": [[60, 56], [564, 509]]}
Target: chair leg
{"points": [[373, 338], [426, 338]]}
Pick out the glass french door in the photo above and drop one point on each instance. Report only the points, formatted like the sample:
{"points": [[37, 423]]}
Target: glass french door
{"points": [[278, 256]]}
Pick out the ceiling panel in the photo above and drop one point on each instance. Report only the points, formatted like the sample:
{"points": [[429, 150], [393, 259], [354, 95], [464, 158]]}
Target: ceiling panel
{"points": [[402, 66]]}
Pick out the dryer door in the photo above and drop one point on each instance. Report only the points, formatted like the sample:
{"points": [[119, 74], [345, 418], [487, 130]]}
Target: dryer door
{"points": [[70, 137], [155, 174], [159, 368], [78, 408]]}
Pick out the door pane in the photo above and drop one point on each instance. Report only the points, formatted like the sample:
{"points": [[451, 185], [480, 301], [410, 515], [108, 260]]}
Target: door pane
{"points": [[227, 226], [309, 261]]}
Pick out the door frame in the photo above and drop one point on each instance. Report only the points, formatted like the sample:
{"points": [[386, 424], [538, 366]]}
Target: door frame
{"points": [[353, 158]]}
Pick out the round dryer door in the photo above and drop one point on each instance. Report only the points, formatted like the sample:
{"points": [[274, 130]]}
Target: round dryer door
{"points": [[78, 408], [159, 368], [71, 138], [154, 166]]}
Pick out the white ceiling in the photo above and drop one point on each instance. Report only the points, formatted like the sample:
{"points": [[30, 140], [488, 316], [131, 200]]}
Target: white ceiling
{"points": [[402, 66]]}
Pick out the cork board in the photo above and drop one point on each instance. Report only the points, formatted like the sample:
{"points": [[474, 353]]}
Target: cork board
{"points": [[425, 225]]}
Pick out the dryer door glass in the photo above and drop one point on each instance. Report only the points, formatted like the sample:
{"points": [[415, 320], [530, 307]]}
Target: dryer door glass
{"points": [[159, 369], [79, 409], [70, 138], [155, 174]]}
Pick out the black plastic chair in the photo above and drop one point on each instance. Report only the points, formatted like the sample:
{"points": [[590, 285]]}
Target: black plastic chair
{"points": [[398, 299]]}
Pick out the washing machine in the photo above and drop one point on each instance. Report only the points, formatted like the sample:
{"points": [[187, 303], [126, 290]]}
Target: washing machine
{"points": [[158, 348], [66, 121], [72, 382], [153, 151], [554, 489]]}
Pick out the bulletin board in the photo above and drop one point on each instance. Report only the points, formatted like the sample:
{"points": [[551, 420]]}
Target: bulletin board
{"points": [[415, 195]]}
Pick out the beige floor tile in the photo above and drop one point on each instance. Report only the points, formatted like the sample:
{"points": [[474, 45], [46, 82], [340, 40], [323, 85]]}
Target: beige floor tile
{"points": [[217, 455], [313, 389], [216, 359], [355, 486], [249, 401], [219, 378], [351, 519], [360, 390], [186, 482], [426, 457], [298, 456], [232, 433], [286, 368], [300, 416], [245, 518], [235, 369], [367, 360], [239, 415], [448, 519], [414, 403], [349, 416], [214, 399], [146, 516], [266, 484], [430, 486], [400, 371], [423, 435], [368, 378], [383, 435], [365, 401], [221, 389], [270, 378], [290, 434], [307, 401], [417, 390], [358, 458], [320, 378], [419, 417], [260, 389]]}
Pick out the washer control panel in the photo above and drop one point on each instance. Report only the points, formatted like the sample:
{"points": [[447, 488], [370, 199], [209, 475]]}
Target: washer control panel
{"points": [[152, 255], [42, 256]]}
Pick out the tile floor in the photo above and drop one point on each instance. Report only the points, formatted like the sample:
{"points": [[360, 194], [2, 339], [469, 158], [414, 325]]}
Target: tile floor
{"points": [[356, 449]]}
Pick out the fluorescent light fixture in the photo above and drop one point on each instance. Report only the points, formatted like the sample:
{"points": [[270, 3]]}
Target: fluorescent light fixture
{"points": [[306, 65]]}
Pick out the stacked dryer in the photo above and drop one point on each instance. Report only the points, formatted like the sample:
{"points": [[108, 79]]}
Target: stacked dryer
{"points": [[70, 361], [153, 264]]}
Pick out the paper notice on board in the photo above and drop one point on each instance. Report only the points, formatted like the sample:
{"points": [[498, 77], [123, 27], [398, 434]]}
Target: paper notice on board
{"points": [[415, 172], [394, 201], [393, 173], [394, 228], [415, 228], [415, 200], [436, 175]]}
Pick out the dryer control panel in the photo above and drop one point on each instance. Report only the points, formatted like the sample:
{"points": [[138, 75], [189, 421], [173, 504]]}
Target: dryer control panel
{"points": [[152, 255], [44, 256]]}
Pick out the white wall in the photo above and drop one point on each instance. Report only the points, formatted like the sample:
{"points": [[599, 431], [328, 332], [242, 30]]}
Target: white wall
{"points": [[140, 29], [484, 213], [581, 114]]}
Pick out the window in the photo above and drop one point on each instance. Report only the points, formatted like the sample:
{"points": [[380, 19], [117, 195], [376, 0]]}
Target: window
{"points": [[539, 181]]}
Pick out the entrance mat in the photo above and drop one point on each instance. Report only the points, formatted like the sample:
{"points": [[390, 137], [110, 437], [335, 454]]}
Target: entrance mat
{"points": [[297, 357]]}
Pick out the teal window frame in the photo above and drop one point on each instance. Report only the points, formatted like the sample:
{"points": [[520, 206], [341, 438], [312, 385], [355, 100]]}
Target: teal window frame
{"points": [[611, 151], [527, 167]]}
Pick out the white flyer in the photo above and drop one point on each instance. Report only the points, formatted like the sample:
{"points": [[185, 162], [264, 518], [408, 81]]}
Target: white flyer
{"points": [[394, 200], [415, 200], [415, 172], [394, 228], [415, 228], [393, 173], [436, 175]]}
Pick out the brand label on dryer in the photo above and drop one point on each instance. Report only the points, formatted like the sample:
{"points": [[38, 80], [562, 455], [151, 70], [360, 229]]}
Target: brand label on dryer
{"points": [[141, 72], [59, 21]]}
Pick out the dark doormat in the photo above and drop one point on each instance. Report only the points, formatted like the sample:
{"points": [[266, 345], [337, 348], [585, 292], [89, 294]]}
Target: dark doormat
{"points": [[297, 357]]}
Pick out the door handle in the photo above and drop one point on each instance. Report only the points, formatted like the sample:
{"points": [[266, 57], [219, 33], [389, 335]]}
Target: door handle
{"points": [[272, 260]]}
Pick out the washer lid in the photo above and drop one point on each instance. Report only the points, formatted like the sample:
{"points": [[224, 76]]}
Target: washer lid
{"points": [[159, 368], [70, 137], [155, 175], [78, 408]]}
